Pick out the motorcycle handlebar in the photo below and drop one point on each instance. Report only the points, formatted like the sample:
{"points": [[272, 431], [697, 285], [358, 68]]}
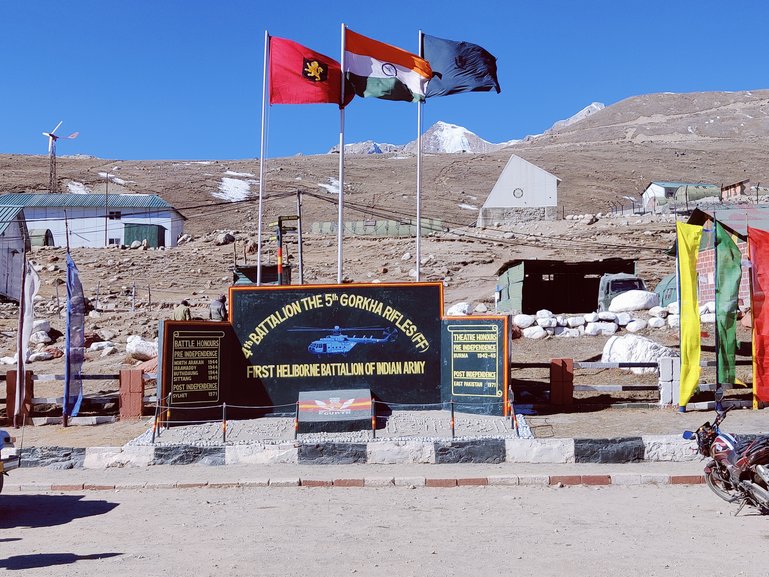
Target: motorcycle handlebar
{"points": [[721, 416]]}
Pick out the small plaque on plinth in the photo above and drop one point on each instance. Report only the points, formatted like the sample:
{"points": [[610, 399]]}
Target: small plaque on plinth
{"points": [[335, 411]]}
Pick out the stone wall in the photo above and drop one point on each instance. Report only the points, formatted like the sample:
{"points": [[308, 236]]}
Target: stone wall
{"points": [[491, 216]]}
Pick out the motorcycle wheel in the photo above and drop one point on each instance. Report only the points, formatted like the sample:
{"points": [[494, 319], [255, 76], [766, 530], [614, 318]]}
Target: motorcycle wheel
{"points": [[721, 486]]}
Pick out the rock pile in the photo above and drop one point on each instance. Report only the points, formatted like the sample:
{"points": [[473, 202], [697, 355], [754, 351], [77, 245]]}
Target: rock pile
{"points": [[606, 323]]}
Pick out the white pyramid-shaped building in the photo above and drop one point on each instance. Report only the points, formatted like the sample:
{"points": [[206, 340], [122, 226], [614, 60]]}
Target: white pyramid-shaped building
{"points": [[523, 192]]}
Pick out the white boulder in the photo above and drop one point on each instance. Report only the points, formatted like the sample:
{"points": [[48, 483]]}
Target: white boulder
{"points": [[591, 317], [656, 322], [567, 332], [635, 300], [458, 310], [575, 322], [674, 321], [623, 319], [658, 311], [100, 346], [41, 356], [140, 349], [41, 325], [637, 325], [544, 314], [547, 322], [607, 316], [39, 337], [524, 321], [673, 308], [535, 332], [635, 349], [600, 328]]}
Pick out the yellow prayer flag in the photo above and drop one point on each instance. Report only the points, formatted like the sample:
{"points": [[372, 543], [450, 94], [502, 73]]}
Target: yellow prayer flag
{"points": [[689, 236]]}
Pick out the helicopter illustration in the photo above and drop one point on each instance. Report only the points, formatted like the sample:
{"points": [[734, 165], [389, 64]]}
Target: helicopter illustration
{"points": [[339, 342]]}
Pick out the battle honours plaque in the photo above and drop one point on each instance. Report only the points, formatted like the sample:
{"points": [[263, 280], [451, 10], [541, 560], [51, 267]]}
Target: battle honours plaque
{"points": [[475, 362], [195, 366]]}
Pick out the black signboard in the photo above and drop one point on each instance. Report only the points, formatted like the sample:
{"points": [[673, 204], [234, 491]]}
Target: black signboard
{"points": [[195, 375], [199, 364], [475, 363], [382, 337]]}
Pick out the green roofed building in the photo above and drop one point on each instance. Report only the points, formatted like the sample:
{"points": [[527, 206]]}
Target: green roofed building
{"points": [[526, 286], [96, 220], [670, 196]]}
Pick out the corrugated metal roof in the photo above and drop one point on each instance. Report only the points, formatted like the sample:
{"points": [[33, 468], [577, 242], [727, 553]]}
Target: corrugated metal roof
{"points": [[17, 199], [736, 219], [7, 215], [680, 184]]}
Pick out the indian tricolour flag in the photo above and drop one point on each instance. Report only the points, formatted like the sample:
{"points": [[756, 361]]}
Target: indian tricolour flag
{"points": [[380, 70]]}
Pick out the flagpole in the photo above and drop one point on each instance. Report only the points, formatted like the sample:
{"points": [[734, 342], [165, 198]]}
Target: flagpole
{"points": [[261, 160], [681, 409], [419, 174], [67, 372], [718, 393], [754, 366], [20, 368], [340, 206]]}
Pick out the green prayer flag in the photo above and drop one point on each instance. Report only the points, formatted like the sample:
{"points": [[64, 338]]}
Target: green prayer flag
{"points": [[728, 276]]}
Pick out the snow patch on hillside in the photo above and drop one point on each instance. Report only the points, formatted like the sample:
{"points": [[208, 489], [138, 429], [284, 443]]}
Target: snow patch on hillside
{"points": [[113, 178], [332, 186], [78, 188], [234, 189]]}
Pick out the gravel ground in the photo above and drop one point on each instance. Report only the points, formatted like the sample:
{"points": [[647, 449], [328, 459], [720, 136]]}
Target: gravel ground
{"points": [[413, 425]]}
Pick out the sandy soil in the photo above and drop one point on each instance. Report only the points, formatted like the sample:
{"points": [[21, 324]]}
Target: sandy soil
{"points": [[637, 531]]}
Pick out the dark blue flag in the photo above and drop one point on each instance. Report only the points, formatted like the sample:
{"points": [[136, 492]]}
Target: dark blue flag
{"points": [[74, 354], [458, 67]]}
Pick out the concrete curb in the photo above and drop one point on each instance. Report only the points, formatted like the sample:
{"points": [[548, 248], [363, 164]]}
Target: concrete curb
{"points": [[663, 448], [621, 479]]}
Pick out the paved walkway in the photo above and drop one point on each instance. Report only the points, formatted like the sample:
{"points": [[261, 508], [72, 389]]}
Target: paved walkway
{"points": [[180, 477]]}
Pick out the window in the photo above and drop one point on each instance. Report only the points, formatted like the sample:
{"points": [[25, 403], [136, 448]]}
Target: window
{"points": [[114, 215], [114, 241]]}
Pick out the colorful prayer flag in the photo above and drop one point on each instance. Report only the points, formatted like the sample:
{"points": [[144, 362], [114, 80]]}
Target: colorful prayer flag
{"points": [[299, 75], [26, 323], [458, 67], [379, 70], [74, 353], [758, 241], [688, 245], [728, 277]]}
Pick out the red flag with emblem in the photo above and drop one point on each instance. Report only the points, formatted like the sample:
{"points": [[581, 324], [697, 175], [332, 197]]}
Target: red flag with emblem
{"points": [[299, 75]]}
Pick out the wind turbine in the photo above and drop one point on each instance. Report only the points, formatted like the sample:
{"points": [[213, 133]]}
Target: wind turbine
{"points": [[53, 185]]}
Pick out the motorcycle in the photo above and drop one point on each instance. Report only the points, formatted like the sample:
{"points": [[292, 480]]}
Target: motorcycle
{"points": [[8, 459], [738, 471]]}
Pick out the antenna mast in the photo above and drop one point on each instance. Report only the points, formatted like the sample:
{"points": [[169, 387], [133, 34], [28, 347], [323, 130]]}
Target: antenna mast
{"points": [[53, 184]]}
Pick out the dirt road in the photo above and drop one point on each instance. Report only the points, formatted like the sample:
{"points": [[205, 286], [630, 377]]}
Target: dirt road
{"points": [[484, 531]]}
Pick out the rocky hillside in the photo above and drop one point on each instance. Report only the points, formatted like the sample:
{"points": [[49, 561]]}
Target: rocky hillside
{"points": [[612, 152]]}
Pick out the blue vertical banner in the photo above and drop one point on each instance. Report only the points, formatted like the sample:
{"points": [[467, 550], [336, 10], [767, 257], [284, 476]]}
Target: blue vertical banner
{"points": [[75, 339]]}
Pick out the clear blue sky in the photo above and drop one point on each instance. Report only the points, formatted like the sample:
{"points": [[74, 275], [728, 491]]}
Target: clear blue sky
{"points": [[182, 79]]}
